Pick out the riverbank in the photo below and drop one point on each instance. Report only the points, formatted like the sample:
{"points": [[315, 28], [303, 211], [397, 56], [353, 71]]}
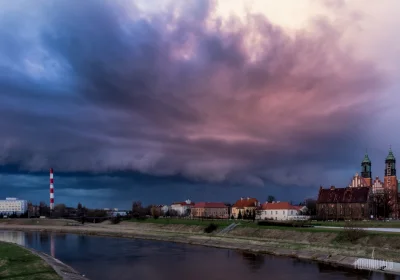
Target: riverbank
{"points": [[18, 262], [323, 246], [25, 263]]}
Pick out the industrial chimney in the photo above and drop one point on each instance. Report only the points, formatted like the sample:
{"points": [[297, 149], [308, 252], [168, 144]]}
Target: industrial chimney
{"points": [[51, 190]]}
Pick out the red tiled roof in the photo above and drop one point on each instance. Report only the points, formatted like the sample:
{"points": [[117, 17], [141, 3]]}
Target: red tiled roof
{"points": [[210, 205], [246, 202], [343, 195], [279, 206]]}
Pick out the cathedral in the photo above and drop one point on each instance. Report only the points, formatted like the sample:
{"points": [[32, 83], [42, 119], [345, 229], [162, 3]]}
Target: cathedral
{"points": [[390, 185]]}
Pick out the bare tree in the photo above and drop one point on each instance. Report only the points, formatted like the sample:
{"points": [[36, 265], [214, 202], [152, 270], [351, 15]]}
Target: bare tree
{"points": [[155, 212]]}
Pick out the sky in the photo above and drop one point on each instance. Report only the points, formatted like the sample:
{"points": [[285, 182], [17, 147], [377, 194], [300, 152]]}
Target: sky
{"points": [[162, 101]]}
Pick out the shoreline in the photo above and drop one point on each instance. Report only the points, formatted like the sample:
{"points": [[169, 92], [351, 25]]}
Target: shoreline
{"points": [[63, 270], [323, 255]]}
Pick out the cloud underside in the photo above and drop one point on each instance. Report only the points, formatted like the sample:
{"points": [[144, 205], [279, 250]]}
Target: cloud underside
{"points": [[103, 87]]}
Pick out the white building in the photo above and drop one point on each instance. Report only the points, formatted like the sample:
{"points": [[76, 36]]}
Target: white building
{"points": [[182, 208], [164, 209], [13, 205], [281, 211]]}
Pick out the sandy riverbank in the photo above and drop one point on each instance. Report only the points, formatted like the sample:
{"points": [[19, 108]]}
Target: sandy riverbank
{"points": [[316, 246]]}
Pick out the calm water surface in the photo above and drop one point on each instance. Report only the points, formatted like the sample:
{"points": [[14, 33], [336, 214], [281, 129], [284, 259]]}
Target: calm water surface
{"points": [[101, 258]]}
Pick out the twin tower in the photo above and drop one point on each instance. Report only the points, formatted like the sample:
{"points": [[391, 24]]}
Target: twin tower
{"points": [[390, 179]]}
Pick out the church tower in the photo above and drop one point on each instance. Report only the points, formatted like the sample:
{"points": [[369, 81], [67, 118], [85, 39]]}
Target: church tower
{"points": [[390, 181], [366, 170]]}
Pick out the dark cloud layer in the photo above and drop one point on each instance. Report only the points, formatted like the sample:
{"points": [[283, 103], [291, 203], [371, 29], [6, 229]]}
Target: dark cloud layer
{"points": [[97, 87]]}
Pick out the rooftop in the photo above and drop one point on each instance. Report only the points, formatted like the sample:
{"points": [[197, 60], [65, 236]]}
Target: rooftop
{"points": [[246, 202], [279, 206], [390, 155], [210, 205], [343, 195]]}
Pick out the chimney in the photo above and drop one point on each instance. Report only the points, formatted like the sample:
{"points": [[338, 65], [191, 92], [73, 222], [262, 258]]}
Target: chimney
{"points": [[320, 188], [248, 198], [332, 187], [241, 198]]}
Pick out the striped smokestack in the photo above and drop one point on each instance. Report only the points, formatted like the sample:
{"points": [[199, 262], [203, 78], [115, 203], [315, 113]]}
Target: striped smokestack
{"points": [[51, 190]]}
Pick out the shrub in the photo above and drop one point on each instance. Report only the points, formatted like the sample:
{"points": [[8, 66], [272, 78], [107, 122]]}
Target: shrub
{"points": [[351, 233], [116, 220], [210, 228]]}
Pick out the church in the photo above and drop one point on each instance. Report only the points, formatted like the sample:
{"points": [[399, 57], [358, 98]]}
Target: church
{"points": [[364, 195], [390, 185]]}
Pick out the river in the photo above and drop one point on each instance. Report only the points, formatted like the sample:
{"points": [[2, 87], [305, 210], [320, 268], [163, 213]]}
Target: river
{"points": [[102, 258]]}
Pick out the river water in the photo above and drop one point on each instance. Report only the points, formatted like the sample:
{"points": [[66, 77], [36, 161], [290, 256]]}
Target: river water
{"points": [[101, 258]]}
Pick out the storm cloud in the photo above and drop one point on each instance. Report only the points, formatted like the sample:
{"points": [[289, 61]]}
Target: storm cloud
{"points": [[102, 87]]}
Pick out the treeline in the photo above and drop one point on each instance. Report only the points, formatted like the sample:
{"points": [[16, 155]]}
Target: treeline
{"points": [[62, 211]]}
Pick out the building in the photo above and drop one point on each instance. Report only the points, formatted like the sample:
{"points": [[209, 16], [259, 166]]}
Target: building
{"points": [[13, 205], [244, 207], [182, 208], [389, 188], [351, 203], [217, 210], [281, 211]]}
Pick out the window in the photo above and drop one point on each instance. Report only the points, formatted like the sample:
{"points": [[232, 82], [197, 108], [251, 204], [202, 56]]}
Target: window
{"points": [[283, 212], [276, 212]]}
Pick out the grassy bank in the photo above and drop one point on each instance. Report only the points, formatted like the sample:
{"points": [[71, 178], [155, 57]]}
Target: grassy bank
{"points": [[18, 263], [177, 221], [365, 224]]}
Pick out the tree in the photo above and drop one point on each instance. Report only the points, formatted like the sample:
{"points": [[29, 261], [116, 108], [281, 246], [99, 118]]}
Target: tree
{"points": [[155, 212], [311, 205], [270, 198], [232, 217], [30, 209], [44, 210], [173, 213], [240, 215], [137, 209], [59, 209], [79, 209]]}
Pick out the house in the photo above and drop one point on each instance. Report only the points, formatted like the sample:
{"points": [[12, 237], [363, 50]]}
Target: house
{"points": [[244, 207], [281, 211], [216, 210], [182, 208], [343, 203]]}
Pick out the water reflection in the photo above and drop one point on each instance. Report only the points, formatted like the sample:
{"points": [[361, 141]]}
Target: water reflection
{"points": [[111, 258], [254, 261], [13, 237]]}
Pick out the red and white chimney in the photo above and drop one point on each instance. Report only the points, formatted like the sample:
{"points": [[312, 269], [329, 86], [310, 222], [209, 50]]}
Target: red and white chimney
{"points": [[51, 190]]}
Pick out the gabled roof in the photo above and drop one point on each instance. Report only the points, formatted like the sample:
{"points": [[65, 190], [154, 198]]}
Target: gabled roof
{"points": [[363, 182], [246, 202], [210, 205], [279, 206], [343, 195]]}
